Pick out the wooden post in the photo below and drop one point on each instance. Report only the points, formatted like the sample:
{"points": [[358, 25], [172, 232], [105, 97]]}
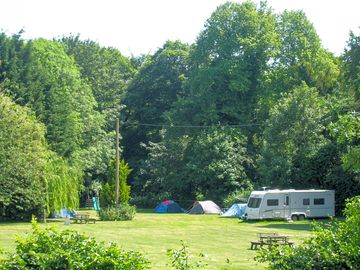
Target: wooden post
{"points": [[117, 164]]}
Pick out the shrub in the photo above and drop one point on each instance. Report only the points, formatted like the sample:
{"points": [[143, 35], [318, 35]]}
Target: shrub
{"points": [[122, 212], [335, 245], [182, 260], [50, 249], [238, 196]]}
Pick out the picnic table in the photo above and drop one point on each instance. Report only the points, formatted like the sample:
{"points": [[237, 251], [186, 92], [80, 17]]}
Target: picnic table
{"points": [[83, 218], [270, 239]]}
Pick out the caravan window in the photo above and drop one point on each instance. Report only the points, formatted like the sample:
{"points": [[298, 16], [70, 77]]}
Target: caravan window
{"points": [[272, 202], [306, 201], [319, 201], [254, 203]]}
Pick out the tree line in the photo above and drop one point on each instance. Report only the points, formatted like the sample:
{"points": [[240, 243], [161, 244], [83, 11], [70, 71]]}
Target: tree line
{"points": [[255, 101]]}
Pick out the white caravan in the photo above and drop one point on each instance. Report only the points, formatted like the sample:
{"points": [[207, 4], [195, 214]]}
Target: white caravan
{"points": [[290, 203]]}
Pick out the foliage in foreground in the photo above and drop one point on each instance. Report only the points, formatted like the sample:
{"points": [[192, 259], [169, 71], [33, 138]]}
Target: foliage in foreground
{"points": [[334, 246], [50, 249], [182, 260], [122, 212]]}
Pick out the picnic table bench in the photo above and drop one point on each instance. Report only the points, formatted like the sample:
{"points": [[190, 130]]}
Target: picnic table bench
{"points": [[270, 240], [83, 218]]}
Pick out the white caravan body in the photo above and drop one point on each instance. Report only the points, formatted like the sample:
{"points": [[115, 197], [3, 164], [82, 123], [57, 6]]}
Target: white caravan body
{"points": [[290, 203]]}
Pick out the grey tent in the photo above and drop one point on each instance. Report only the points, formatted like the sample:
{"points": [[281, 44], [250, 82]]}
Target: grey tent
{"points": [[205, 207]]}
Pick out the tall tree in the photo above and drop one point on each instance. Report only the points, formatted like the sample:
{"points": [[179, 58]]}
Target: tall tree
{"points": [[107, 71], [228, 63], [22, 161], [150, 95], [293, 134]]}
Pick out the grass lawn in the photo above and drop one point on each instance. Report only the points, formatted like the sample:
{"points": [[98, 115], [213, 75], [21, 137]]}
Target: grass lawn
{"points": [[152, 234]]}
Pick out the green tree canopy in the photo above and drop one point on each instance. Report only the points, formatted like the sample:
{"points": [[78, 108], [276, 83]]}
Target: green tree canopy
{"points": [[22, 161]]}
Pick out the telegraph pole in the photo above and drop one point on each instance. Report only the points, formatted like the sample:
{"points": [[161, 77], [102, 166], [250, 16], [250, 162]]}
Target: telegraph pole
{"points": [[117, 164]]}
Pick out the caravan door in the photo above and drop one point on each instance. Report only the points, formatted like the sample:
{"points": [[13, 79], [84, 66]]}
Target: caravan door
{"points": [[286, 200]]}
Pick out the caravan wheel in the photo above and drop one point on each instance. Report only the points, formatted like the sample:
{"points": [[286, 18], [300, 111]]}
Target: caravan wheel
{"points": [[301, 217], [294, 218]]}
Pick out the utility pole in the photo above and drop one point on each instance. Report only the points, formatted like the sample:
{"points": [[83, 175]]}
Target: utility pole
{"points": [[117, 164]]}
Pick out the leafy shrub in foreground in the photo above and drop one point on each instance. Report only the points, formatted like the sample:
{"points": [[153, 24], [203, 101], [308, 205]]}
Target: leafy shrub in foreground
{"points": [[333, 246], [50, 249], [182, 260], [122, 212]]}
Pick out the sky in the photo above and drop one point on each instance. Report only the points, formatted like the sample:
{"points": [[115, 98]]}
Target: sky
{"points": [[142, 26]]}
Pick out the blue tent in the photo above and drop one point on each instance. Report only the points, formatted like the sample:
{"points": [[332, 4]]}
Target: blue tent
{"points": [[236, 210], [169, 207], [65, 212]]}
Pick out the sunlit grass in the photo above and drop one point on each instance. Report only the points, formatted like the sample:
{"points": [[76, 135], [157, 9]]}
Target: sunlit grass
{"points": [[152, 234]]}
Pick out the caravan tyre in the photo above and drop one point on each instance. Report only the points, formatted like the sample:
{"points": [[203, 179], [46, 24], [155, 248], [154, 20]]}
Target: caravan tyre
{"points": [[301, 217], [294, 218]]}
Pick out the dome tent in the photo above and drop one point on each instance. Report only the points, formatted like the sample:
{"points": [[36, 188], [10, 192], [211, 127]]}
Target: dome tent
{"points": [[168, 206], [205, 207], [236, 210]]}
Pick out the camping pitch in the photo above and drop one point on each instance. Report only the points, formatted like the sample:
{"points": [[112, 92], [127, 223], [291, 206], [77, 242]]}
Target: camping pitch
{"points": [[205, 207], [168, 207], [236, 210]]}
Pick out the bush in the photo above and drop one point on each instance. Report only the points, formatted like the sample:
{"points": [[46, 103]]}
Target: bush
{"points": [[182, 260], [333, 246], [238, 196], [50, 249], [123, 212]]}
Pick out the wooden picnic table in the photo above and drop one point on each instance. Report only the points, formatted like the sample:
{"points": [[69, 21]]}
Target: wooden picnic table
{"points": [[83, 218], [270, 239]]}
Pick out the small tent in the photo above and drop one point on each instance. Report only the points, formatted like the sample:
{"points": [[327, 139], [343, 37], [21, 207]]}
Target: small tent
{"points": [[236, 210], [205, 207], [168, 207]]}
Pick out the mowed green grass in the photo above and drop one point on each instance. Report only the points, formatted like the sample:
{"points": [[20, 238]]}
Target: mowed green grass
{"points": [[152, 234]]}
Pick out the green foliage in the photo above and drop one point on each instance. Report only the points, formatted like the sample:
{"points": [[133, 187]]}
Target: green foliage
{"points": [[228, 63], [238, 196], [182, 260], [211, 163], [293, 135], [22, 161], [109, 195], [51, 249], [106, 70], [333, 246], [347, 131], [351, 66], [62, 184], [150, 95], [123, 212]]}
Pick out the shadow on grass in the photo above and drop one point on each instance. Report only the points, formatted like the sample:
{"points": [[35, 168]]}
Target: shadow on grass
{"points": [[289, 226], [145, 211]]}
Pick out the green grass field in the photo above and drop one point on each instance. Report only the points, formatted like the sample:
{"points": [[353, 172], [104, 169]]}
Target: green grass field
{"points": [[152, 234]]}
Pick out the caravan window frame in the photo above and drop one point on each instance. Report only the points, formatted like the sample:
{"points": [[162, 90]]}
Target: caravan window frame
{"points": [[319, 201], [306, 201], [254, 202], [272, 202]]}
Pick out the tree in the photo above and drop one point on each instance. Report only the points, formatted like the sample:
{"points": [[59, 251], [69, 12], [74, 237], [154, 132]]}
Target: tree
{"points": [[62, 184], [106, 70], [301, 57], [351, 65], [228, 63], [293, 134], [210, 164], [150, 95], [22, 161], [108, 191], [347, 131]]}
